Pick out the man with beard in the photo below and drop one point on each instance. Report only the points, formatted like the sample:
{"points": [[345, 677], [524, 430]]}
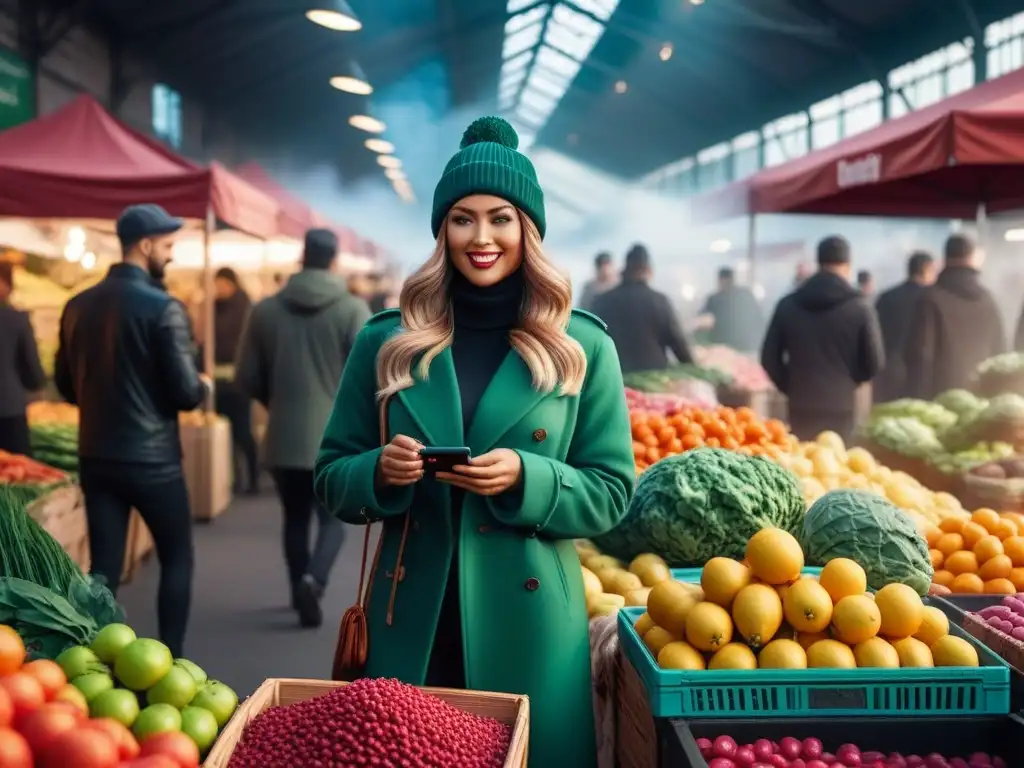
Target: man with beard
{"points": [[823, 342], [126, 359]]}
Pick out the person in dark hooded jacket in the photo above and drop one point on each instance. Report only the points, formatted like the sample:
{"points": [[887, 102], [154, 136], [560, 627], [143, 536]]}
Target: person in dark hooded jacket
{"points": [[956, 325], [895, 309], [822, 343], [291, 358]]}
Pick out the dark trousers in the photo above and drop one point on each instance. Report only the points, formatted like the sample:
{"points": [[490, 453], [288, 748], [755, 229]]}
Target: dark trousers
{"points": [[158, 492], [295, 489], [14, 436], [236, 407]]}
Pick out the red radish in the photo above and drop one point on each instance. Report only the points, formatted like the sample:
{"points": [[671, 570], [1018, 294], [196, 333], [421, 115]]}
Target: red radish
{"points": [[817, 764], [705, 746], [725, 746], [763, 749], [745, 756], [722, 762], [848, 755], [798, 763], [872, 757], [778, 761], [812, 749], [790, 748]]}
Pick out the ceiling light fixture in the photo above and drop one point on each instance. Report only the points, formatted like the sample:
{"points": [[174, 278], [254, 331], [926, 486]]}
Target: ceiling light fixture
{"points": [[380, 146], [721, 246], [621, 86], [353, 80], [336, 15], [395, 174], [388, 161], [696, 2], [666, 52], [367, 123]]}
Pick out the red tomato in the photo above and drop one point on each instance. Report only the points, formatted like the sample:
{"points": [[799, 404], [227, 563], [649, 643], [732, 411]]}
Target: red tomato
{"points": [[12, 650], [14, 750], [81, 748], [173, 744], [127, 746], [42, 727], [49, 674], [71, 695], [25, 691], [6, 709]]}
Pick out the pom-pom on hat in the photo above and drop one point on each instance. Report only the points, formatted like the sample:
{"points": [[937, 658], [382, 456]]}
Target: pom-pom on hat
{"points": [[487, 163]]}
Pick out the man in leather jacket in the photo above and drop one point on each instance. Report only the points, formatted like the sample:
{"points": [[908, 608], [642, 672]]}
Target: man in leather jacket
{"points": [[126, 359]]}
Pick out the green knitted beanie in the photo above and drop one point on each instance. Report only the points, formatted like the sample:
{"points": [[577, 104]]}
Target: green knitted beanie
{"points": [[487, 163]]}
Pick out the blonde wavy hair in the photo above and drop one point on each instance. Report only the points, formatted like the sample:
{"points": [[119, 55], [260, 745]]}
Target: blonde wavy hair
{"points": [[555, 360]]}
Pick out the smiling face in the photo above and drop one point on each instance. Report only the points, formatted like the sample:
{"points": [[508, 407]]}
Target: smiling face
{"points": [[485, 239]]}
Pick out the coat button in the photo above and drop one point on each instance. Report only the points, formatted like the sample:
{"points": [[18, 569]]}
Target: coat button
{"points": [[540, 435], [532, 584]]}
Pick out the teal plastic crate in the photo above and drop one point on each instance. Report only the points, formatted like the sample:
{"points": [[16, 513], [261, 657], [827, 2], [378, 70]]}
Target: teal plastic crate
{"points": [[692, 575], [983, 690]]}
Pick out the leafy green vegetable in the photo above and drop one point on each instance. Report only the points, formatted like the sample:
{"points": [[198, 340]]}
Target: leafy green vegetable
{"points": [[29, 552], [703, 503], [662, 380], [961, 402], [47, 622], [928, 413], [871, 531], [904, 435]]}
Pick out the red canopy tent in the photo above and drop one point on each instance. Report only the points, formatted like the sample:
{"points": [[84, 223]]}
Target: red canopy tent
{"points": [[942, 161], [80, 162], [294, 216]]}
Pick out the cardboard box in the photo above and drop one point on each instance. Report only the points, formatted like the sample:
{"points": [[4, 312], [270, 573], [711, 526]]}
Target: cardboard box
{"points": [[208, 466]]}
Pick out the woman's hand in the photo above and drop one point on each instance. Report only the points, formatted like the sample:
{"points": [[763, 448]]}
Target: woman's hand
{"points": [[400, 462], [487, 475]]}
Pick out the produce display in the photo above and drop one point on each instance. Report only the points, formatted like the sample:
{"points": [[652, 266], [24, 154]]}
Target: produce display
{"points": [[703, 503], [1007, 617], [56, 444], [610, 585], [656, 435], [372, 722], [869, 529], [789, 752], [18, 469], [663, 403], [979, 553], [667, 379], [1005, 469], [745, 374], [761, 613], [1001, 374], [47, 722]]}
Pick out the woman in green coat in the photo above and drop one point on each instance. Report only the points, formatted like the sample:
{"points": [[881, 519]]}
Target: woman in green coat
{"points": [[478, 585]]}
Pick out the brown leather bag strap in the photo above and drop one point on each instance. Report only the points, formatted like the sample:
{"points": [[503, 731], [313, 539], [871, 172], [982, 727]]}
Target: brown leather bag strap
{"points": [[363, 598]]}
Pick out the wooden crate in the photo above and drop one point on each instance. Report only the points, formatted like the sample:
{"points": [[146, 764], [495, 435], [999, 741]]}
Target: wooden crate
{"points": [[637, 742], [208, 467], [506, 708], [61, 513]]}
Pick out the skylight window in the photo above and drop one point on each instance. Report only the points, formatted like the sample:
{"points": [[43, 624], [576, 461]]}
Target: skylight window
{"points": [[545, 47]]}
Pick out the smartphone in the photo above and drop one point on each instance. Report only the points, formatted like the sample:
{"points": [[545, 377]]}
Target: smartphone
{"points": [[443, 459]]}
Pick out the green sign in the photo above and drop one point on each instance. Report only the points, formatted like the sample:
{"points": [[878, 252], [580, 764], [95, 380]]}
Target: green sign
{"points": [[17, 91]]}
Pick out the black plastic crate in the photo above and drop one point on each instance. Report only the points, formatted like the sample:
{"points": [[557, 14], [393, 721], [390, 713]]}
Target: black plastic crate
{"points": [[949, 736]]}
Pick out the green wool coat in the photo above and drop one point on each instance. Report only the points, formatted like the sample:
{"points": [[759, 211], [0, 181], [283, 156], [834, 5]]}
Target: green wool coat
{"points": [[524, 613]]}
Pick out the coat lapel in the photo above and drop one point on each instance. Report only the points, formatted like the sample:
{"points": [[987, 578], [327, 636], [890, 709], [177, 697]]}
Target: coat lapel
{"points": [[509, 397], [434, 404]]}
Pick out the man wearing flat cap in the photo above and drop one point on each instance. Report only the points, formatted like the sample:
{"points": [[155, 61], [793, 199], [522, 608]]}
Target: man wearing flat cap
{"points": [[291, 358], [127, 361]]}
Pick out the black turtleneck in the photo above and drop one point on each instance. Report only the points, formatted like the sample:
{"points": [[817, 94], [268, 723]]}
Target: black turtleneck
{"points": [[483, 319]]}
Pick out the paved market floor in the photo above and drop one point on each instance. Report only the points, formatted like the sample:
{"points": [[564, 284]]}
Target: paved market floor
{"points": [[241, 630]]}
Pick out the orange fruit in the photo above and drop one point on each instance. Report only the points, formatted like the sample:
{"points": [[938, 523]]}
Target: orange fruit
{"points": [[937, 558], [968, 584], [986, 518], [949, 543], [932, 533], [1017, 517], [945, 579], [1006, 529], [1014, 548], [1017, 577], [961, 562], [952, 524], [1000, 587], [987, 548], [972, 533], [997, 567]]}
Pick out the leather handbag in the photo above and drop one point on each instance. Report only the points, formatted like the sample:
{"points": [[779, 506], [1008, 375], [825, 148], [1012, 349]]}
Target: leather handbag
{"points": [[353, 645]]}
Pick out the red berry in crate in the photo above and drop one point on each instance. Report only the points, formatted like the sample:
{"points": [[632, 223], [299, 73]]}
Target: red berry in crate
{"points": [[745, 756], [725, 746], [812, 749], [706, 747], [817, 764], [790, 748], [763, 749]]}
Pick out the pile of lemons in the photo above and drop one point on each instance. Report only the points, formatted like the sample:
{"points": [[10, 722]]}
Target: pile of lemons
{"points": [[763, 614]]}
